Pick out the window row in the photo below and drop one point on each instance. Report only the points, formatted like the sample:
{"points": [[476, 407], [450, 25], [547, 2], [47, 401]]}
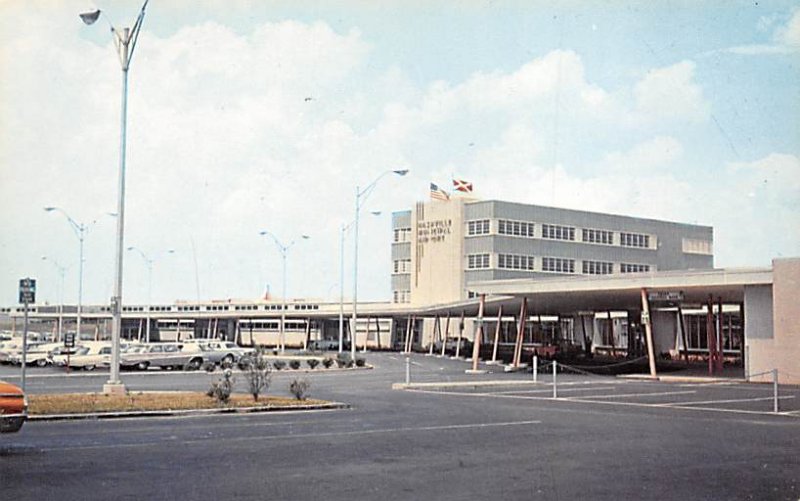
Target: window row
{"points": [[558, 232], [402, 235], [402, 266], [515, 228], [552, 264], [568, 233], [478, 227], [402, 296], [515, 262]]}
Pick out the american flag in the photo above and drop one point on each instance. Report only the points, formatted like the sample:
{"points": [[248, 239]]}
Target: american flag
{"points": [[461, 185], [438, 193]]}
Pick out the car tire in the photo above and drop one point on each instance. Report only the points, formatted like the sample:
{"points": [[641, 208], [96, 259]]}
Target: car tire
{"points": [[88, 368], [227, 361], [194, 364], [142, 366], [42, 362]]}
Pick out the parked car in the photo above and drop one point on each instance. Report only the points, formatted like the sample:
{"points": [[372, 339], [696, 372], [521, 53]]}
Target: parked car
{"points": [[58, 356], [323, 345], [164, 355], [223, 352], [13, 408], [38, 354], [90, 356]]}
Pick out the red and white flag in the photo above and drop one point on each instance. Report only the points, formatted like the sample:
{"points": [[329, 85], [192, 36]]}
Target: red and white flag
{"points": [[461, 185]]}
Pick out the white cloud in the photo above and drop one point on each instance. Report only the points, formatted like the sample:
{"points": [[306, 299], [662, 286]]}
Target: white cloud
{"points": [[671, 93], [789, 35]]}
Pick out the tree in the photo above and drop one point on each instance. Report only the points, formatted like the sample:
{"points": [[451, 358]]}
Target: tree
{"points": [[258, 373]]}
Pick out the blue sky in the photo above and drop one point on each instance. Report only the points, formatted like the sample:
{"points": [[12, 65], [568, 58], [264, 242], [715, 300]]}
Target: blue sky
{"points": [[684, 111]]}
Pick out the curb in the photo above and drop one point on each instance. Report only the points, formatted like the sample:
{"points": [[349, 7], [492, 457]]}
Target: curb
{"points": [[683, 379], [188, 412], [458, 384]]}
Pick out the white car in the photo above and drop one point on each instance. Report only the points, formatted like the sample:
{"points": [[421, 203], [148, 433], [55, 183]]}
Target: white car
{"points": [[90, 356]]}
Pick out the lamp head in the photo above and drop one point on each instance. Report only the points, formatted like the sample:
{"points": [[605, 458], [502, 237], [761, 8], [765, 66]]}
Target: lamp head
{"points": [[89, 18], [304, 237], [49, 209], [401, 172]]}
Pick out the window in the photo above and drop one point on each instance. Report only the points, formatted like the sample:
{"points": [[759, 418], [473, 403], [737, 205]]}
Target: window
{"points": [[633, 268], [696, 246], [598, 268], [402, 235], [515, 228], [477, 261], [402, 266], [515, 262], [598, 236], [556, 232], [479, 227], [402, 296], [634, 240], [558, 265]]}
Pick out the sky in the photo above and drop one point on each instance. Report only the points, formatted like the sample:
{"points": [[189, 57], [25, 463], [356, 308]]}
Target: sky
{"points": [[246, 116]]}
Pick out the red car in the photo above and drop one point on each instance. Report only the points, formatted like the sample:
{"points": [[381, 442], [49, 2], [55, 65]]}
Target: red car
{"points": [[13, 408]]}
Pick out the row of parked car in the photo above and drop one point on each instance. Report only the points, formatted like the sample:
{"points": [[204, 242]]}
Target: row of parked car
{"points": [[89, 355]]}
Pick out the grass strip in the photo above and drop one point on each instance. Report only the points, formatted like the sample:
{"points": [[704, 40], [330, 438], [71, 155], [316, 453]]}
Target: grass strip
{"points": [[81, 403]]}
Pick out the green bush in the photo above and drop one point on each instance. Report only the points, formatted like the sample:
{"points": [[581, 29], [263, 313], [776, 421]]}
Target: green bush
{"points": [[328, 362], [299, 388], [360, 362], [294, 364], [258, 373], [344, 360], [222, 388], [279, 365], [313, 363]]}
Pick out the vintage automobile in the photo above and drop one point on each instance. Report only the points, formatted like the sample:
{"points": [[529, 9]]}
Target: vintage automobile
{"points": [[90, 356], [223, 352], [37, 354], [13, 408], [167, 356]]}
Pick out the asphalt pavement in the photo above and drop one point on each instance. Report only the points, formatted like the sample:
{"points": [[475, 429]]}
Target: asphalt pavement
{"points": [[601, 439]]}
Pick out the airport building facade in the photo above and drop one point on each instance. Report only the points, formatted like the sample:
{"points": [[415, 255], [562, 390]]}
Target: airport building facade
{"points": [[441, 247]]}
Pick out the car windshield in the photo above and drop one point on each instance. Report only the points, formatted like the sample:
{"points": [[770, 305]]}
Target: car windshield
{"points": [[82, 351]]}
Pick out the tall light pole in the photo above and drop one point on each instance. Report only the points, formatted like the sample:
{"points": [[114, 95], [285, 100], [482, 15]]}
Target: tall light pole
{"points": [[61, 271], [284, 249], [80, 230], [125, 42], [149, 262], [343, 231], [361, 196]]}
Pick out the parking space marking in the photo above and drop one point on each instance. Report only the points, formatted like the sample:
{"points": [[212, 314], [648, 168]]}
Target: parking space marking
{"points": [[300, 435], [729, 401], [550, 390], [625, 395]]}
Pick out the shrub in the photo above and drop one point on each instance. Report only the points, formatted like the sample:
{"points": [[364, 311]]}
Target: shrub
{"points": [[344, 360], [258, 373], [294, 364], [313, 363], [222, 388], [360, 362], [209, 367], [279, 365], [299, 388], [328, 362]]}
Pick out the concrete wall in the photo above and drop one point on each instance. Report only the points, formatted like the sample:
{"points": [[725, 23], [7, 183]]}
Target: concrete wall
{"points": [[781, 349]]}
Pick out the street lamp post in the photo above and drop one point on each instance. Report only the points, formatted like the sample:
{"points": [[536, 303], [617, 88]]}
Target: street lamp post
{"points": [[61, 271], [284, 249], [343, 230], [125, 42], [365, 194], [149, 262], [80, 232]]}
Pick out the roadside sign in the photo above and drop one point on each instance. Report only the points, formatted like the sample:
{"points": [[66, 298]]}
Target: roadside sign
{"points": [[27, 290], [645, 317], [69, 340]]}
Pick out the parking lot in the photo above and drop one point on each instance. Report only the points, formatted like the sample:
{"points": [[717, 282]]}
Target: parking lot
{"points": [[453, 436]]}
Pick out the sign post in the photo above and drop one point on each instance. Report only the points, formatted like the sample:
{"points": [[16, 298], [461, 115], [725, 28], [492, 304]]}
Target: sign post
{"points": [[69, 344], [27, 295]]}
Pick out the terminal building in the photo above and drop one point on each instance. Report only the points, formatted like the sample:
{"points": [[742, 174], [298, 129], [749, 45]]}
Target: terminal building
{"points": [[441, 247]]}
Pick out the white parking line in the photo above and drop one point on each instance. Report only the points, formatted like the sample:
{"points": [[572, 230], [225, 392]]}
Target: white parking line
{"points": [[250, 438], [550, 390], [730, 401], [625, 395]]}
